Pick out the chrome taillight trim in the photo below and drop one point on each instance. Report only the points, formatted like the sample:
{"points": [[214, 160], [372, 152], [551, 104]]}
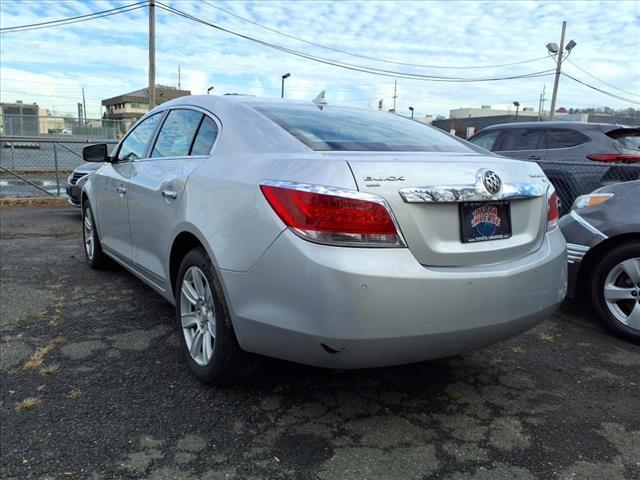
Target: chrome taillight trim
{"points": [[344, 193]]}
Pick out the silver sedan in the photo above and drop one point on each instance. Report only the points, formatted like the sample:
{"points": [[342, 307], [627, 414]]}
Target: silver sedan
{"points": [[324, 235]]}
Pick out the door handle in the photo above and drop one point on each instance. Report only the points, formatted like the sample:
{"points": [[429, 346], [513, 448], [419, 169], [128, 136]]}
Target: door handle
{"points": [[170, 194], [121, 190], [534, 157]]}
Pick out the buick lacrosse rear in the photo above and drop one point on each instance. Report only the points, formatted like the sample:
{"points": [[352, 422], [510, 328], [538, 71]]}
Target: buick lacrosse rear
{"points": [[323, 235]]}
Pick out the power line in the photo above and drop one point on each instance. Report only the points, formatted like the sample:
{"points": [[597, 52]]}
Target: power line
{"points": [[76, 19], [600, 80], [600, 90], [24, 92], [348, 66], [345, 52]]}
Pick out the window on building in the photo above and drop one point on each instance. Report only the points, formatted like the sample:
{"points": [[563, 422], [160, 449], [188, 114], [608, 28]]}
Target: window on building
{"points": [[522, 139], [176, 134], [135, 145], [205, 138]]}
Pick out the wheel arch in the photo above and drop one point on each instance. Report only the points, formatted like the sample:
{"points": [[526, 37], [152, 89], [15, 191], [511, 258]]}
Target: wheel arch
{"points": [[186, 238], [594, 255]]}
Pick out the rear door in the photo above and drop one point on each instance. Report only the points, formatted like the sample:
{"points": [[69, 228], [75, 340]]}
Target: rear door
{"points": [[566, 144], [183, 142], [112, 188], [522, 143]]}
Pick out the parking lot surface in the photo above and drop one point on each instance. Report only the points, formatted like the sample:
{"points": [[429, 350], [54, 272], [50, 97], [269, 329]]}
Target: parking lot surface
{"points": [[94, 386]]}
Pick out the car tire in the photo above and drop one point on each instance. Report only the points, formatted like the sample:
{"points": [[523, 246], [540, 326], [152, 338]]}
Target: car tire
{"points": [[619, 268], [91, 241], [206, 334]]}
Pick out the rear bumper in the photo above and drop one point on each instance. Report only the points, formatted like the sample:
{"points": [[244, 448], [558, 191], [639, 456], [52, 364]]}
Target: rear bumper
{"points": [[355, 307]]}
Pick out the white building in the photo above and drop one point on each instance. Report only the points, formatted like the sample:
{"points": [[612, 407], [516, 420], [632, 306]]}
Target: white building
{"points": [[487, 111]]}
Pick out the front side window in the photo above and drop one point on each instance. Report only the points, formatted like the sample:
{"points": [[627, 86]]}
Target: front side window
{"points": [[564, 138], [135, 145], [521, 139], [205, 138], [349, 129], [176, 134], [486, 139]]}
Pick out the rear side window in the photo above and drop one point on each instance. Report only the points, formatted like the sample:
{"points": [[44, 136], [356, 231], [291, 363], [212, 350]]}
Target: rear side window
{"points": [[176, 134], [349, 129], [207, 134], [135, 145], [564, 138], [486, 139], [521, 139]]}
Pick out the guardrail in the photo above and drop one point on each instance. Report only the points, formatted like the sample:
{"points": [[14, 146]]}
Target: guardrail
{"points": [[37, 166]]}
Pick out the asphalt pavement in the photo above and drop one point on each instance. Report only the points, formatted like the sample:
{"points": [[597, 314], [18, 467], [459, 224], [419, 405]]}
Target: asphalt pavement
{"points": [[93, 386]]}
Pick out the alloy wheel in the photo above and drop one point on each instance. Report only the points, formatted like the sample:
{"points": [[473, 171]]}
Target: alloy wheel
{"points": [[622, 292], [197, 313], [89, 242]]}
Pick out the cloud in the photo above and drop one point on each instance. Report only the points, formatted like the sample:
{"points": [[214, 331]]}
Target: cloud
{"points": [[109, 56]]}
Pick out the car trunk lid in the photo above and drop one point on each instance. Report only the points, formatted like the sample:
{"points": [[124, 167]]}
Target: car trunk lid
{"points": [[430, 217]]}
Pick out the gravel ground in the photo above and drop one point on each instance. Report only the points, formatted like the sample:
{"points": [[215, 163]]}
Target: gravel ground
{"points": [[93, 386]]}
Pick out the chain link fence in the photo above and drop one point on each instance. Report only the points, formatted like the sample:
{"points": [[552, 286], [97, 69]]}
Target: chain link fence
{"points": [[574, 178], [39, 166], [33, 126]]}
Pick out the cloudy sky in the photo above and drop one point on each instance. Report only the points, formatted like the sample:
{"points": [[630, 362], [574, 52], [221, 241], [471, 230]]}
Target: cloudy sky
{"points": [[108, 56]]}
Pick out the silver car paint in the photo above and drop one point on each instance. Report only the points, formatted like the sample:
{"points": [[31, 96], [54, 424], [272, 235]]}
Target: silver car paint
{"points": [[381, 307], [280, 287]]}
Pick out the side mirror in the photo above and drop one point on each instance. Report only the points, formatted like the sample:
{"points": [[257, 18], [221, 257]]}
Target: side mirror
{"points": [[95, 153]]}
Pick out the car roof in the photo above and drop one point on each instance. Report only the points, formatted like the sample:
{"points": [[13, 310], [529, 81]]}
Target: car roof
{"points": [[221, 101], [558, 123]]}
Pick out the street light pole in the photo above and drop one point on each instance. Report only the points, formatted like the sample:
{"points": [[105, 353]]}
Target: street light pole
{"points": [[558, 67], [411, 110], [286, 75], [517, 105]]}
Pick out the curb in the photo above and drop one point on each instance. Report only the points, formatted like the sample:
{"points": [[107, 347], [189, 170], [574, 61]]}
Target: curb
{"points": [[8, 202]]}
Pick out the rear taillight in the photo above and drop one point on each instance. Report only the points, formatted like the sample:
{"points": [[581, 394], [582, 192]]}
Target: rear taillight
{"points": [[333, 216], [614, 158], [552, 212]]}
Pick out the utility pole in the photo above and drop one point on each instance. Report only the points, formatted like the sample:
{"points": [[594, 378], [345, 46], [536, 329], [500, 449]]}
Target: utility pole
{"points": [[152, 54], [395, 94], [84, 109], [541, 104], [178, 77], [558, 66]]}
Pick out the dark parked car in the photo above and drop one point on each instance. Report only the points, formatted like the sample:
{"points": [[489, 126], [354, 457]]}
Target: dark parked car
{"points": [[577, 157], [76, 181], [603, 249]]}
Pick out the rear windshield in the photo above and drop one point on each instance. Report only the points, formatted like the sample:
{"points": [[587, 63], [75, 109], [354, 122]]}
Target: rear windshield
{"points": [[347, 129], [628, 138]]}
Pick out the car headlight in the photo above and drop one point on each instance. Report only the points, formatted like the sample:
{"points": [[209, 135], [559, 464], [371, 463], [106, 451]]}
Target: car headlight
{"points": [[591, 200]]}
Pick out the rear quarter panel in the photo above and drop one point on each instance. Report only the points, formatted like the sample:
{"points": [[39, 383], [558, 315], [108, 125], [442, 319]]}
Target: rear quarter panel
{"points": [[224, 202]]}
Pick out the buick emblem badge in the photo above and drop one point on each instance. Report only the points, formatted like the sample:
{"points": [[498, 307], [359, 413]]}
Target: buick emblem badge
{"points": [[491, 182]]}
